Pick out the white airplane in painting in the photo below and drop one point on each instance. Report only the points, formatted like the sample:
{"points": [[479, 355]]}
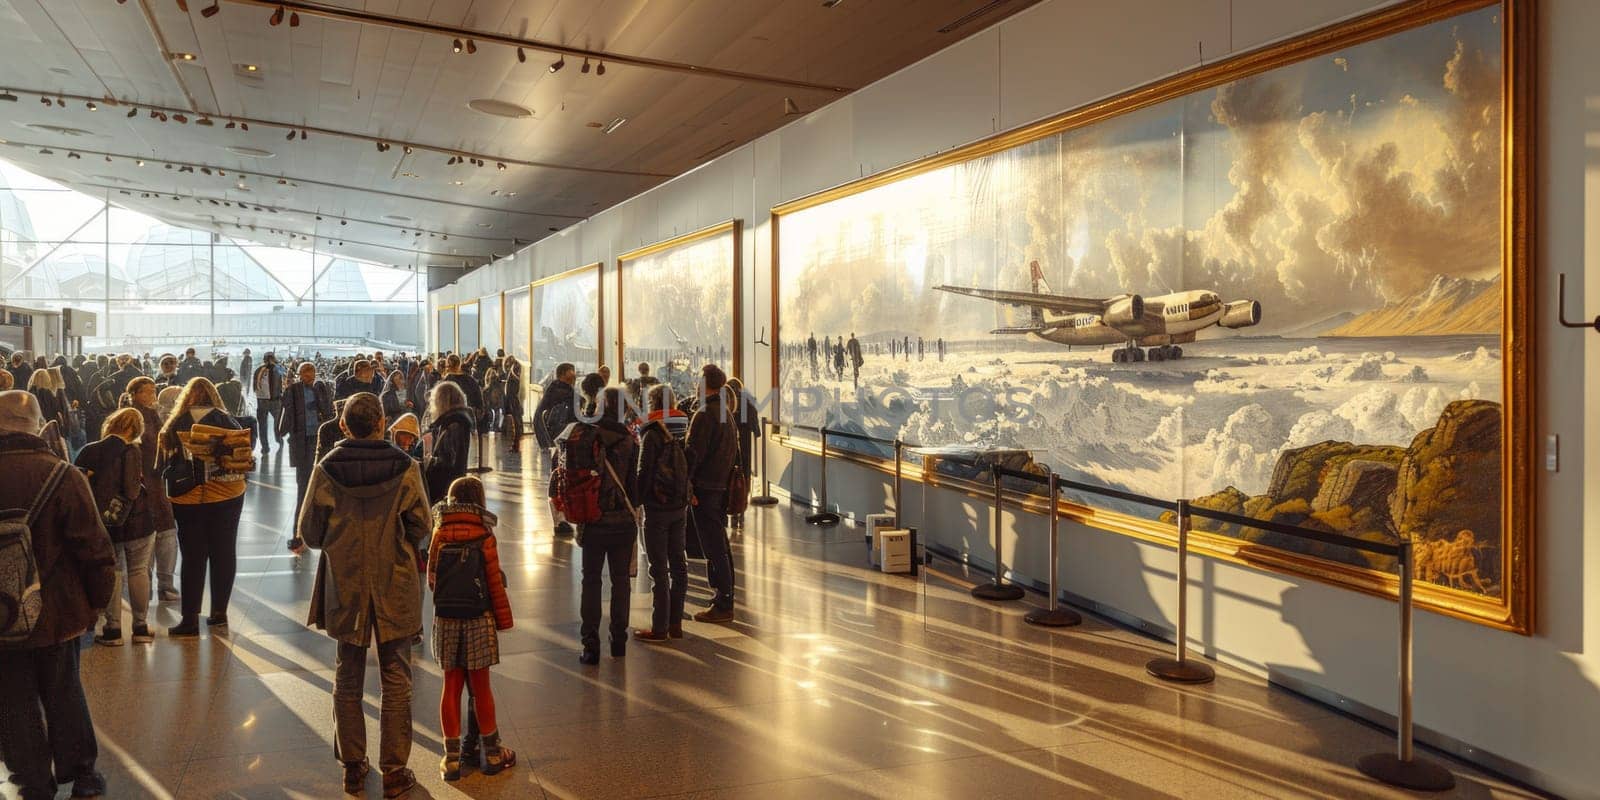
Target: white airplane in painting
{"points": [[1159, 323]]}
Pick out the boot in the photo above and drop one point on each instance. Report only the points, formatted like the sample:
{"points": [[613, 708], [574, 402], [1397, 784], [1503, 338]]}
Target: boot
{"points": [[450, 767], [496, 757]]}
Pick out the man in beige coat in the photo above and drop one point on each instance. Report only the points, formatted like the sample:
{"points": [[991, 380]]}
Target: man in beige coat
{"points": [[366, 509]]}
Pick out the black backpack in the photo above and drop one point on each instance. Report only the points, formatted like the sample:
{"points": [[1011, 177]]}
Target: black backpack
{"points": [[460, 581], [671, 486]]}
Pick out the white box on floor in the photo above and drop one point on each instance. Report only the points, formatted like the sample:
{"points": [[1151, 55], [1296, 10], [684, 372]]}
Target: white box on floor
{"points": [[875, 524], [895, 551]]}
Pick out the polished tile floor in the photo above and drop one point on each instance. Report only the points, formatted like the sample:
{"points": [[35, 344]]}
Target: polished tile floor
{"points": [[835, 682]]}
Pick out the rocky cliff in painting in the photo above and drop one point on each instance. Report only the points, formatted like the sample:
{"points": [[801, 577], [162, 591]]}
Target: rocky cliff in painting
{"points": [[1442, 492], [1445, 306]]}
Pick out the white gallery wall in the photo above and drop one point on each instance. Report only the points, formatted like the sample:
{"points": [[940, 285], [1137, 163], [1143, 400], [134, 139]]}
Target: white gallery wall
{"points": [[1530, 704]]}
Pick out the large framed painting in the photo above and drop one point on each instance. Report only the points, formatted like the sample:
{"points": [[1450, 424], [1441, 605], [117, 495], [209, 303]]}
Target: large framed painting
{"points": [[1292, 286], [679, 303], [565, 325], [519, 333], [445, 330]]}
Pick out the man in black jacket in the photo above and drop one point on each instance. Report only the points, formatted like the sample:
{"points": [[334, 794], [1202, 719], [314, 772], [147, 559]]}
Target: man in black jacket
{"points": [[363, 378], [712, 449], [469, 386], [553, 414], [662, 484], [306, 406], [607, 543]]}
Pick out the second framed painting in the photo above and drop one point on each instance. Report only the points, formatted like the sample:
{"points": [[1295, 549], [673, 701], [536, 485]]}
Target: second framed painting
{"points": [[678, 303]]}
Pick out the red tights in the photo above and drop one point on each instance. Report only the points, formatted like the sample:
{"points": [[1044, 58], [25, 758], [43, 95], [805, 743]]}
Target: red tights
{"points": [[482, 701]]}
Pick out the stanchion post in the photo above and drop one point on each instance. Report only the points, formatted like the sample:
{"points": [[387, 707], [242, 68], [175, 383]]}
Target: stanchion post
{"points": [[824, 516], [1180, 669], [766, 498], [1401, 768], [481, 468], [1054, 616], [998, 589], [899, 453]]}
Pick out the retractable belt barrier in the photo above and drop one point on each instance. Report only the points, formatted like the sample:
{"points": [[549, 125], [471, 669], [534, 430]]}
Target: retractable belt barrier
{"points": [[765, 498], [1398, 768]]}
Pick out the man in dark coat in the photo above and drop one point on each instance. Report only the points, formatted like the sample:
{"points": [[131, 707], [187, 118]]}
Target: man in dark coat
{"points": [[306, 406], [555, 410], [367, 511], [712, 449], [45, 729]]}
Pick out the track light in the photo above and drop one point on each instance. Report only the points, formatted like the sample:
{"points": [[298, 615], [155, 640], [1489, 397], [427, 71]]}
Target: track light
{"points": [[206, 121], [500, 166], [290, 137], [302, 134], [74, 155], [276, 18], [294, 19], [91, 106], [600, 69], [244, 126], [211, 10], [205, 170], [133, 112], [408, 149], [140, 162], [181, 119], [44, 100], [555, 66], [455, 45], [472, 47], [8, 97], [585, 69], [522, 57], [230, 125]]}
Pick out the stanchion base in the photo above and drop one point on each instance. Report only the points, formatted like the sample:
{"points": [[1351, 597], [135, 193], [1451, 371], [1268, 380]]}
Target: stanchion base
{"points": [[1053, 617], [764, 500], [1417, 774], [997, 591], [1186, 671], [826, 518]]}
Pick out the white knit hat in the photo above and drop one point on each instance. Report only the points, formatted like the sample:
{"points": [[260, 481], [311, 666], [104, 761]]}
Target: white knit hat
{"points": [[19, 412]]}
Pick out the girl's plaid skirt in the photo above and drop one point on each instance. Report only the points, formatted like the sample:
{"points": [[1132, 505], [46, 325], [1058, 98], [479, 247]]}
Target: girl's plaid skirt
{"points": [[466, 643]]}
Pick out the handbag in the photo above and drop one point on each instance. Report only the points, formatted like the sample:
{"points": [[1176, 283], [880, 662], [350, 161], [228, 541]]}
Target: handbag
{"points": [[116, 512], [182, 476]]}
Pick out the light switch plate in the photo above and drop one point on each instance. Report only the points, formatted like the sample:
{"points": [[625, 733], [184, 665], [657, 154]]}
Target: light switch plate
{"points": [[1552, 453]]}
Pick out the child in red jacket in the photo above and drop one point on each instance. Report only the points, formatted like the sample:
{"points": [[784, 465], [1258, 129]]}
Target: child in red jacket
{"points": [[470, 606]]}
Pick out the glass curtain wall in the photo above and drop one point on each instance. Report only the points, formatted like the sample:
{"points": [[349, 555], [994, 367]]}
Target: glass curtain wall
{"points": [[159, 287]]}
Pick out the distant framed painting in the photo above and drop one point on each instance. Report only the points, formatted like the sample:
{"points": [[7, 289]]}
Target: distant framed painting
{"points": [[566, 326], [679, 303], [1292, 286]]}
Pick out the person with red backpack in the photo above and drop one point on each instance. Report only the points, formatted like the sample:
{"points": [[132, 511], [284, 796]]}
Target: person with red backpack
{"points": [[663, 490], [593, 487], [469, 607]]}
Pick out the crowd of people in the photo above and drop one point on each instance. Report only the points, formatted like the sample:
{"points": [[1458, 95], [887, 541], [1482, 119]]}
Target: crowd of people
{"points": [[150, 510]]}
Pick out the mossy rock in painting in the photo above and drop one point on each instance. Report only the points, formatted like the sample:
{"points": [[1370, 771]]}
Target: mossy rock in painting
{"points": [[1449, 483]]}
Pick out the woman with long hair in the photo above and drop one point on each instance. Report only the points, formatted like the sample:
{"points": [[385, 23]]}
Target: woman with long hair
{"points": [[141, 393], [396, 396], [206, 480], [452, 429]]}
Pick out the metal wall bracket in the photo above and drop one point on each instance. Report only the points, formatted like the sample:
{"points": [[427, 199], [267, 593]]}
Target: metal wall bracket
{"points": [[1561, 307]]}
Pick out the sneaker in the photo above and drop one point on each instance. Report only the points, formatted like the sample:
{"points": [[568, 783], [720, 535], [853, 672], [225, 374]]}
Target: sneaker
{"points": [[217, 621], [355, 777], [110, 637], [589, 657], [714, 615], [91, 785], [142, 635], [185, 629], [399, 783], [648, 635]]}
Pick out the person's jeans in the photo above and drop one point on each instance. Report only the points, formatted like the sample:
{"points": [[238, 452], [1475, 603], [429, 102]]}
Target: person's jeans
{"points": [[711, 525], [164, 559], [41, 687], [269, 410], [302, 480], [208, 535], [133, 568], [394, 712], [664, 546], [602, 546]]}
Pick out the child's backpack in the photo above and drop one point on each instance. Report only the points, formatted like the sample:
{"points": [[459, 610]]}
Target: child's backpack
{"points": [[460, 582], [575, 482], [671, 486], [20, 600]]}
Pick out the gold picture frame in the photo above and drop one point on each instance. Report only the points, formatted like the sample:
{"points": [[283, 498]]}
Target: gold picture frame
{"points": [[600, 315], [1513, 610], [732, 227]]}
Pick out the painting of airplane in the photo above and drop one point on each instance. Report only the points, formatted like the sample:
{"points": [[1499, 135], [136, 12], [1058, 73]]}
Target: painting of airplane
{"points": [[1159, 323]]}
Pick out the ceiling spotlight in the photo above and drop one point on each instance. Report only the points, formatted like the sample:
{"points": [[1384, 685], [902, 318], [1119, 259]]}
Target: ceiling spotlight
{"points": [[472, 47], [244, 126], [222, 172], [46, 152], [290, 137], [789, 108], [8, 96], [108, 159], [250, 67], [600, 69], [211, 10], [74, 155], [183, 56], [140, 162], [500, 166], [61, 102], [302, 134], [344, 222], [205, 170], [585, 69], [133, 112], [458, 183], [408, 149], [522, 57], [230, 125], [556, 65], [206, 121], [181, 119], [46, 101], [91, 106], [294, 19], [455, 45], [277, 17]]}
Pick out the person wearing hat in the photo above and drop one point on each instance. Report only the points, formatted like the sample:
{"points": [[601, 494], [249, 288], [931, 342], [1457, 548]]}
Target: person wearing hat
{"points": [[406, 433], [46, 732]]}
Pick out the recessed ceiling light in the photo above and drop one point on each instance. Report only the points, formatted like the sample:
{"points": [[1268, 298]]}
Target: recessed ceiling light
{"points": [[250, 152], [458, 183], [397, 217], [182, 56], [247, 67], [499, 108], [511, 194], [485, 225]]}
